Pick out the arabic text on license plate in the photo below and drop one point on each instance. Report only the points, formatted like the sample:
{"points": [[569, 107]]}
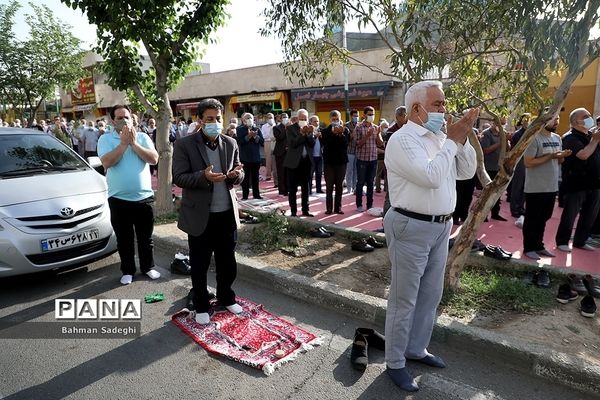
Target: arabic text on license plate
{"points": [[70, 240]]}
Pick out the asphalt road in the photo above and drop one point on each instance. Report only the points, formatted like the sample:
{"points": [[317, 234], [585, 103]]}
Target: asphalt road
{"points": [[164, 363]]}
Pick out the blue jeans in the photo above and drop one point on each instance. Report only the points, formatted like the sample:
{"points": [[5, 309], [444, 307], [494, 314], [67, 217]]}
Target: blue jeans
{"points": [[365, 174], [351, 172]]}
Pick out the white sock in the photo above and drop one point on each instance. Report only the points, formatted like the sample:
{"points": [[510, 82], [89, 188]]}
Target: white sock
{"points": [[203, 318], [235, 308], [153, 274], [126, 279]]}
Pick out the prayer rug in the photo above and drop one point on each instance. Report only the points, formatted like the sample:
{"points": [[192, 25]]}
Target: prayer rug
{"points": [[255, 337]]}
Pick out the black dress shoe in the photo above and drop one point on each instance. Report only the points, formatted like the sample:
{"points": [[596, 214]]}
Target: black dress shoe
{"points": [[359, 356], [257, 197], [373, 242], [375, 339], [181, 267], [576, 284], [592, 285], [328, 212], [543, 279], [318, 233], [588, 306], [499, 218], [249, 219], [307, 214], [339, 212], [362, 245], [495, 252], [330, 233]]}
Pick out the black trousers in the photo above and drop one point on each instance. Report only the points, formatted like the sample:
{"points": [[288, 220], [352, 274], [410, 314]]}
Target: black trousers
{"points": [[281, 175], [219, 238], [517, 195], [538, 210], [299, 176], [586, 204], [87, 154], [496, 207], [250, 179], [464, 196], [317, 172], [334, 179], [133, 220]]}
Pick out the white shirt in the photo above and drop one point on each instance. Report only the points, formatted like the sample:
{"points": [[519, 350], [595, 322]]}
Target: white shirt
{"points": [[267, 132], [423, 168]]}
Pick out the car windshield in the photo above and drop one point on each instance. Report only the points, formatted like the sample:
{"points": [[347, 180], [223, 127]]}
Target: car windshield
{"points": [[28, 154]]}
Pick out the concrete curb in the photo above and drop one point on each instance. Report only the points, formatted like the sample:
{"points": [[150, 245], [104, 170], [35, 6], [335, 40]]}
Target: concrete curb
{"points": [[569, 370]]}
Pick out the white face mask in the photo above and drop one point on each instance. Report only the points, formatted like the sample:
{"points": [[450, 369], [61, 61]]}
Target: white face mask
{"points": [[271, 121], [302, 124], [370, 118], [588, 123], [285, 120], [249, 122]]}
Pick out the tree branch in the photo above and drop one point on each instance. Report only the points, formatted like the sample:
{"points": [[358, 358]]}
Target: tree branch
{"points": [[144, 100]]}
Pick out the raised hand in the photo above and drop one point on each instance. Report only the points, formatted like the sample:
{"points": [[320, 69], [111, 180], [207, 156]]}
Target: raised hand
{"points": [[214, 176], [459, 130], [235, 172]]}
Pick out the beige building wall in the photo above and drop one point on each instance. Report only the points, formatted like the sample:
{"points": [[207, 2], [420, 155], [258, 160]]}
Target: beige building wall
{"points": [[268, 78]]}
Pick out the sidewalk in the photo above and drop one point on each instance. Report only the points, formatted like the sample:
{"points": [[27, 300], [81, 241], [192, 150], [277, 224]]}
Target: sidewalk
{"points": [[504, 234], [569, 369]]}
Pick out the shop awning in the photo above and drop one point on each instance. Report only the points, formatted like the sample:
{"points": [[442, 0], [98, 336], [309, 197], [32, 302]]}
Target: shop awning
{"points": [[187, 106], [84, 107], [269, 97], [360, 91]]}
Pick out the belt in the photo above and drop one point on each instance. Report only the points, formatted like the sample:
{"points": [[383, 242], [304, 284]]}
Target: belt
{"points": [[424, 217]]}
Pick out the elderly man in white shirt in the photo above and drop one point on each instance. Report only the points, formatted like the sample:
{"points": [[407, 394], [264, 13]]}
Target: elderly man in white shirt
{"points": [[423, 164], [267, 132]]}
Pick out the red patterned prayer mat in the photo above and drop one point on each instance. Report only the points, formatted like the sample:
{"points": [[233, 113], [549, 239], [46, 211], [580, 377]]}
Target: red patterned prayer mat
{"points": [[255, 337]]}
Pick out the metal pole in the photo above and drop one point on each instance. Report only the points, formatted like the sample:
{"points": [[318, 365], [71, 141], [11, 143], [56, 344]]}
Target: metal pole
{"points": [[345, 69]]}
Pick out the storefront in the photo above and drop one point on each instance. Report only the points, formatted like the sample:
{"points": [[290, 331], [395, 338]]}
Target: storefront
{"points": [[323, 100], [259, 104]]}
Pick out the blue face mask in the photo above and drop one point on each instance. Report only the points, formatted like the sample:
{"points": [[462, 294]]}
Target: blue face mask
{"points": [[212, 129], [435, 121], [355, 119], [588, 123]]}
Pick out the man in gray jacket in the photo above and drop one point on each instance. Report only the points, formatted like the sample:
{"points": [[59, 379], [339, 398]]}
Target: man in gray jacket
{"points": [[206, 165]]}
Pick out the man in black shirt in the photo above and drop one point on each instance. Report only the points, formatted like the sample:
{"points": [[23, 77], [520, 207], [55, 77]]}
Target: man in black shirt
{"points": [[580, 181]]}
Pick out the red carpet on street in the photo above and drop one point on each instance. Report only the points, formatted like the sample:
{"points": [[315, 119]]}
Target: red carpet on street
{"points": [[255, 337], [504, 234]]}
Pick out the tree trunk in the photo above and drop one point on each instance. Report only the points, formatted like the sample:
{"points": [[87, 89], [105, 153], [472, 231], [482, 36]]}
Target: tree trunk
{"points": [[490, 194], [164, 197]]}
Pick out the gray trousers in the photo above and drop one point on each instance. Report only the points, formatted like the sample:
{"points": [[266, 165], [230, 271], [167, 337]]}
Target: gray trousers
{"points": [[418, 252]]}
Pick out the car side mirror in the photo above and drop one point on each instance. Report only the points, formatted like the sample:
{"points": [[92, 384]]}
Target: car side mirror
{"points": [[94, 162]]}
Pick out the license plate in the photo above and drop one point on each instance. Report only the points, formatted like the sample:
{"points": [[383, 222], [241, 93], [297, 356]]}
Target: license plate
{"points": [[70, 240]]}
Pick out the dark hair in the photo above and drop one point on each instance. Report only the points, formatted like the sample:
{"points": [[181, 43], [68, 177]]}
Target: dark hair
{"points": [[209, 104], [353, 111], [522, 117], [189, 121], [117, 107], [368, 108]]}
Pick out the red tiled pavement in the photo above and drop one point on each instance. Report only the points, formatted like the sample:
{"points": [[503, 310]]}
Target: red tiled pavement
{"points": [[504, 234]]}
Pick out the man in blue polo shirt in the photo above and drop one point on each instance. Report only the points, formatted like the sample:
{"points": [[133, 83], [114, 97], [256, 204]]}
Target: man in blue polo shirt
{"points": [[126, 155]]}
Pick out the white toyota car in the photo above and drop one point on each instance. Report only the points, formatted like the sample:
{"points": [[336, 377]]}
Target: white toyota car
{"points": [[53, 208]]}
